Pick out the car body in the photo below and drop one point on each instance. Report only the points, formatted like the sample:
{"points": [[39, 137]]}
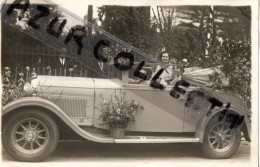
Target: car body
{"points": [[73, 101]]}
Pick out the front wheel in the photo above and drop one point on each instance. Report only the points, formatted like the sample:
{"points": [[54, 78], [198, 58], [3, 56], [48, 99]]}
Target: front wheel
{"points": [[220, 140], [30, 135]]}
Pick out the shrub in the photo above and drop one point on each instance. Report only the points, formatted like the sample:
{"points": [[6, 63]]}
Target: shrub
{"points": [[12, 90]]}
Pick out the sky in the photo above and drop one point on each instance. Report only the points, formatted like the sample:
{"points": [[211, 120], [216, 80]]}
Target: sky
{"points": [[79, 9]]}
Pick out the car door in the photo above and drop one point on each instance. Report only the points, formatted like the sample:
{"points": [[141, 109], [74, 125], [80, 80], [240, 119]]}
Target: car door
{"points": [[162, 113]]}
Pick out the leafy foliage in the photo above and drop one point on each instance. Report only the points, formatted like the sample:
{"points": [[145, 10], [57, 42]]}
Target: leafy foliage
{"points": [[132, 25], [11, 89], [235, 57]]}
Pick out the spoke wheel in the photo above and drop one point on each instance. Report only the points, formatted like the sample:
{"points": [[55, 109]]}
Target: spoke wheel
{"points": [[30, 135], [221, 137], [220, 141]]}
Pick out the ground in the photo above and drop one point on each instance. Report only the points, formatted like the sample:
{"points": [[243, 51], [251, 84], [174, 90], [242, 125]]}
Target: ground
{"points": [[96, 154]]}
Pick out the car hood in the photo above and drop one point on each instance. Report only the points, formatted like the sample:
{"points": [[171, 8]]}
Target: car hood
{"points": [[60, 81], [75, 82]]}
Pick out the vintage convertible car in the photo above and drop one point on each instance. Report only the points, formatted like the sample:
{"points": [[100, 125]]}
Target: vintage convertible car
{"points": [[33, 125]]}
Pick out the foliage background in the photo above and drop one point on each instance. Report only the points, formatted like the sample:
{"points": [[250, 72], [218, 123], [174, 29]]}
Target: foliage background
{"points": [[207, 36]]}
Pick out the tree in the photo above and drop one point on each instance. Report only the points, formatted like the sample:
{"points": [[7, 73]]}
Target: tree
{"points": [[132, 25], [208, 25], [209, 36], [238, 53]]}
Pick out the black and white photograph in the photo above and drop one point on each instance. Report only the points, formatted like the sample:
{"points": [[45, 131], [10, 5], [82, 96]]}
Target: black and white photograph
{"points": [[133, 83]]}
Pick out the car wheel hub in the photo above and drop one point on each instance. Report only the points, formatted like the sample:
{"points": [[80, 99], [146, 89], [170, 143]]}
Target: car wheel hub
{"points": [[221, 137], [30, 136]]}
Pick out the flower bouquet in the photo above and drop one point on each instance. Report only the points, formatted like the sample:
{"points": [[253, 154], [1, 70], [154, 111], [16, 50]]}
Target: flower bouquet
{"points": [[118, 113]]}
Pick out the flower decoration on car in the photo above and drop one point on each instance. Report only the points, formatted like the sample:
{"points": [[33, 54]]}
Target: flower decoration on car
{"points": [[118, 111]]}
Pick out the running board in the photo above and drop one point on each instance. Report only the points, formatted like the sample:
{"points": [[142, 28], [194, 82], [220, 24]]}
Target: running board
{"points": [[147, 139]]}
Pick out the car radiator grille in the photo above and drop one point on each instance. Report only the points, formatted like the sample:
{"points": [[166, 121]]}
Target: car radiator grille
{"points": [[74, 107]]}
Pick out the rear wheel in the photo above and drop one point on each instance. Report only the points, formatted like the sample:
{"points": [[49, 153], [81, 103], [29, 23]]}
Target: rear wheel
{"points": [[30, 135], [220, 140]]}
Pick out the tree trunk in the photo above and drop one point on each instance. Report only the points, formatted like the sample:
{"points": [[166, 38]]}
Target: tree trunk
{"points": [[90, 19]]}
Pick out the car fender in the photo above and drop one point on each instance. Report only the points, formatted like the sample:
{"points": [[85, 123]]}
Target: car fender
{"points": [[50, 106], [204, 121]]}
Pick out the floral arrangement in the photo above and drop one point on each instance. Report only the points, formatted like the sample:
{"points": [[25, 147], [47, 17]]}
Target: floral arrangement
{"points": [[12, 90], [118, 112]]}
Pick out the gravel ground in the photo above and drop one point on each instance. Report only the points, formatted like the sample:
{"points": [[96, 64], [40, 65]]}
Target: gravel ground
{"points": [[96, 154]]}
